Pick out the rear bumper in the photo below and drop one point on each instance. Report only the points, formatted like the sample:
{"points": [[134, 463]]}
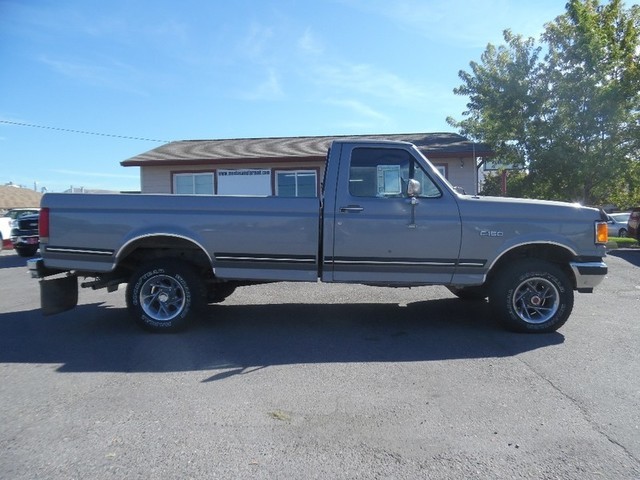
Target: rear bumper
{"points": [[588, 274], [38, 270], [36, 267]]}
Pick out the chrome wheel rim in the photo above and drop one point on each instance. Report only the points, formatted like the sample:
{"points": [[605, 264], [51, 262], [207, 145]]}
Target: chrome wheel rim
{"points": [[162, 298], [536, 300]]}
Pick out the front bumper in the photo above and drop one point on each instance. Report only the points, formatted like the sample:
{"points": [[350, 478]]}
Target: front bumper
{"points": [[588, 275], [25, 241]]}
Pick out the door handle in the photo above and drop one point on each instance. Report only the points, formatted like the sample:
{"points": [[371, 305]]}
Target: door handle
{"points": [[351, 209]]}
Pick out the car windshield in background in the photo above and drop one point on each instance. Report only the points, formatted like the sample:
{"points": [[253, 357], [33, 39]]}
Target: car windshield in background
{"points": [[620, 217]]}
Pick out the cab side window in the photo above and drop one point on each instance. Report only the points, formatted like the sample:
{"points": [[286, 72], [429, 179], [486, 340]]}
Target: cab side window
{"points": [[385, 173]]}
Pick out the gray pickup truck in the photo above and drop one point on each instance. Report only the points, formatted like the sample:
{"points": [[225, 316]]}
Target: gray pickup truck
{"points": [[386, 217]]}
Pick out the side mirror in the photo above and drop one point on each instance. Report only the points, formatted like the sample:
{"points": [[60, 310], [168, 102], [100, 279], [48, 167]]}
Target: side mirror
{"points": [[413, 188]]}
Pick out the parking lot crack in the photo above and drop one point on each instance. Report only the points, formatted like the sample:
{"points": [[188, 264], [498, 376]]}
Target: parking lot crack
{"points": [[582, 409]]}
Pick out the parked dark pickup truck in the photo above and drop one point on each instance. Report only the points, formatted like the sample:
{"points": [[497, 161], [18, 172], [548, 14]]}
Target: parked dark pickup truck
{"points": [[24, 235], [385, 217]]}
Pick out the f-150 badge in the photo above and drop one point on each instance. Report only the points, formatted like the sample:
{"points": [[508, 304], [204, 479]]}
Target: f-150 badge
{"points": [[491, 233]]}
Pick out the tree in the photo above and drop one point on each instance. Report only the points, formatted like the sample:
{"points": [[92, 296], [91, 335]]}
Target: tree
{"points": [[572, 118]]}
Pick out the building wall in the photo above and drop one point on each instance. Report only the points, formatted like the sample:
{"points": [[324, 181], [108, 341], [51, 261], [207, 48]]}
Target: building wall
{"points": [[159, 179], [461, 173]]}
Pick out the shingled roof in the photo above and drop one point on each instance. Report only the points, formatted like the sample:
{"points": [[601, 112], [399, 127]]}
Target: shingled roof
{"points": [[197, 151], [14, 197]]}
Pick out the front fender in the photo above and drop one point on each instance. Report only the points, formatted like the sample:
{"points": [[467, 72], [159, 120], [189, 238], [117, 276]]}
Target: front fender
{"points": [[531, 240]]}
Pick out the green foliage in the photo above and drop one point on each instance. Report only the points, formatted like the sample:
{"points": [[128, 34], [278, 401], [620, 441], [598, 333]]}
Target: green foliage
{"points": [[518, 185], [572, 118]]}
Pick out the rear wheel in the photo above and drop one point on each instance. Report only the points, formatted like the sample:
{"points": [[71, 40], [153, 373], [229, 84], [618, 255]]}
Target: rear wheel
{"points": [[532, 296], [164, 295]]}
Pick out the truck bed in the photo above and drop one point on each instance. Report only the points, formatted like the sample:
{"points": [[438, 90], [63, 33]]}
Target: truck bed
{"points": [[92, 231]]}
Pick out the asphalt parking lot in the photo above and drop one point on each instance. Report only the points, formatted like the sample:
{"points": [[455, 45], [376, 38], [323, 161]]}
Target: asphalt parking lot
{"points": [[320, 381]]}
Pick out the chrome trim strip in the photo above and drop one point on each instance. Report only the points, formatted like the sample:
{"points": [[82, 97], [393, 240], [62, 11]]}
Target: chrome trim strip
{"points": [[265, 259], [382, 262], [469, 263], [79, 251]]}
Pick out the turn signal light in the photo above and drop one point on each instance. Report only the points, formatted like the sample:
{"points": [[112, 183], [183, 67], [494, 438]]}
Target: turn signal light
{"points": [[602, 232]]}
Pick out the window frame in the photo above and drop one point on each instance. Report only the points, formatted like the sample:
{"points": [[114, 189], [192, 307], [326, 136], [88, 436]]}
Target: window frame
{"points": [[413, 165], [296, 171], [194, 173], [443, 168]]}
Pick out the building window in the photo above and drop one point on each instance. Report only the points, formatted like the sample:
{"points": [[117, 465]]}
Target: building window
{"points": [[442, 168], [193, 183], [298, 183]]}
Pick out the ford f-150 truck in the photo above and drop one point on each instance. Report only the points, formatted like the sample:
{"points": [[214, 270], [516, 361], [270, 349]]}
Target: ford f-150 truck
{"points": [[385, 217]]}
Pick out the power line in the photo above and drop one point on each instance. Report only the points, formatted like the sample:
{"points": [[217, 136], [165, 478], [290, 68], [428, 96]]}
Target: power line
{"points": [[68, 130]]}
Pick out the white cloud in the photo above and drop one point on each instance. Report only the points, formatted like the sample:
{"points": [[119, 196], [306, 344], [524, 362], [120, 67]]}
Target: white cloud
{"points": [[256, 41], [464, 23], [269, 89], [115, 76], [360, 109], [86, 173], [368, 80], [310, 43]]}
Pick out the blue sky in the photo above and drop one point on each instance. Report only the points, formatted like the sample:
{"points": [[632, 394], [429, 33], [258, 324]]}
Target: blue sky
{"points": [[168, 70]]}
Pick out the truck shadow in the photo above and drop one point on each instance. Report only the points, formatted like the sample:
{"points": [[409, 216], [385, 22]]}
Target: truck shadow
{"points": [[235, 340], [631, 255], [11, 259]]}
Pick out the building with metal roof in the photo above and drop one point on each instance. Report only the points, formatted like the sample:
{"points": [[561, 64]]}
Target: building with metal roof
{"points": [[255, 165]]}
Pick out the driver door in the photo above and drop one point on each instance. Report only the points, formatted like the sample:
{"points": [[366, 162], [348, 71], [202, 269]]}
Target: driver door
{"points": [[381, 235]]}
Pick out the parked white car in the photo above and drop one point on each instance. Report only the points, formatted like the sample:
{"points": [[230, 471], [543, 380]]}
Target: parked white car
{"points": [[617, 223], [6, 223]]}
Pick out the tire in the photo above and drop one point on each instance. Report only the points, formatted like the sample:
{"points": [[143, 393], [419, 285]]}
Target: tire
{"points": [[165, 295], [1, 242], [476, 294], [623, 233], [532, 296], [26, 251]]}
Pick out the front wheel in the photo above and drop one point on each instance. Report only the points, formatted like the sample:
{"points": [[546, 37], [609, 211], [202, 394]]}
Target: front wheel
{"points": [[532, 296], [164, 295], [623, 233]]}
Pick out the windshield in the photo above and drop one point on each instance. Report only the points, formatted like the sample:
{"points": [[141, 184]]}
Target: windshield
{"points": [[13, 214]]}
